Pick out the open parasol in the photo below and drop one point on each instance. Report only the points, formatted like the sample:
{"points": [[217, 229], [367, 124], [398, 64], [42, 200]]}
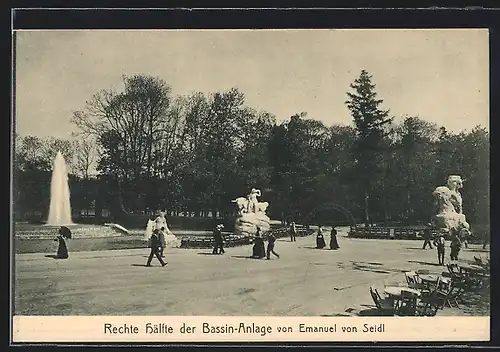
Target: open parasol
{"points": [[65, 232]]}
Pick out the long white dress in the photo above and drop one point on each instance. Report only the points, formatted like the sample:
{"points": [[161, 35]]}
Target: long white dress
{"points": [[149, 230], [161, 222], [170, 239]]}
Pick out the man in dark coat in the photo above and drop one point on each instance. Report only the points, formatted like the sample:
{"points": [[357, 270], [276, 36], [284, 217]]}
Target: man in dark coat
{"points": [[455, 246], [155, 248], [219, 240], [271, 239], [439, 242], [293, 232], [427, 236]]}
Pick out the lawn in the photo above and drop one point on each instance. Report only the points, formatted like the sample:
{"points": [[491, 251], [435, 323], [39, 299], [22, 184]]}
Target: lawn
{"points": [[80, 244]]}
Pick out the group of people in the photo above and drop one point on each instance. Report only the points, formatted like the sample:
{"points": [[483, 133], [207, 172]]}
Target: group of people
{"points": [[320, 239], [157, 241], [259, 250], [157, 245], [457, 239]]}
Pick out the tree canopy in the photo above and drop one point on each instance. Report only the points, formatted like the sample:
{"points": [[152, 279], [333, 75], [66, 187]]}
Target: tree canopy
{"points": [[197, 152]]}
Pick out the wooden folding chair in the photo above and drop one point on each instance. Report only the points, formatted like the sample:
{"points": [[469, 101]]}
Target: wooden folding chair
{"points": [[453, 268], [454, 271], [478, 261], [444, 287], [413, 280], [429, 305], [458, 287], [384, 306], [408, 304]]}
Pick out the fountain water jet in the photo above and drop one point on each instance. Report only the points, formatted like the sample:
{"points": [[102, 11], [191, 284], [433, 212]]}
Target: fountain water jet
{"points": [[60, 206], [60, 213]]}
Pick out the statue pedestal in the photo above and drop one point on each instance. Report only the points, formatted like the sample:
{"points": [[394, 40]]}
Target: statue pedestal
{"points": [[247, 223], [451, 221]]}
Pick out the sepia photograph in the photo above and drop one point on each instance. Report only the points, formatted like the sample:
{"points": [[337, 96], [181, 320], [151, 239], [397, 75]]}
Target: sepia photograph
{"points": [[279, 173]]}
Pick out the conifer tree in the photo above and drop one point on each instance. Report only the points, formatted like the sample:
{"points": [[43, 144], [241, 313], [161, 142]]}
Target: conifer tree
{"points": [[370, 122]]}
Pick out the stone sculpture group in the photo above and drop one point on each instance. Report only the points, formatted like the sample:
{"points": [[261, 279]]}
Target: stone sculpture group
{"points": [[251, 214], [161, 222], [450, 215]]}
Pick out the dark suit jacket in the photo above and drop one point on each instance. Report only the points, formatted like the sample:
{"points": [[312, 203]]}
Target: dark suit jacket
{"points": [[218, 236], [155, 241]]}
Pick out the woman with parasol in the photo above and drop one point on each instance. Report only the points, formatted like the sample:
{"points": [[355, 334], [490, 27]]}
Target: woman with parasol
{"points": [[62, 250]]}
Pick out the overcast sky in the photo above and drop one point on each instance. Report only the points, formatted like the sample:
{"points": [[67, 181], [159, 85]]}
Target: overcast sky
{"points": [[440, 75]]}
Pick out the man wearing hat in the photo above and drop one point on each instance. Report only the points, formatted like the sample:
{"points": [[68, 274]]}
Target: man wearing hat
{"points": [[219, 240], [427, 236], [155, 248], [271, 239]]}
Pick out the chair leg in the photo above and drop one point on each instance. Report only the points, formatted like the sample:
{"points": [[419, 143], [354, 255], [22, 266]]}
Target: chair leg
{"points": [[447, 302], [454, 298], [424, 310]]}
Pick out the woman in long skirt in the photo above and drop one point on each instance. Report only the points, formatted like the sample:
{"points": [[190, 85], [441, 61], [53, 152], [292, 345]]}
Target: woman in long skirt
{"points": [[62, 249], [258, 250], [320, 240], [333, 239]]}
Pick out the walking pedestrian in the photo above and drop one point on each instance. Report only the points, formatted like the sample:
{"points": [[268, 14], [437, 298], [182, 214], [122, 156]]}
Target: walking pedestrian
{"points": [[439, 242], [293, 232], [464, 235], [62, 249], [455, 246], [155, 248], [320, 240], [486, 239], [427, 237], [219, 240], [271, 239], [258, 249], [334, 244], [319, 235]]}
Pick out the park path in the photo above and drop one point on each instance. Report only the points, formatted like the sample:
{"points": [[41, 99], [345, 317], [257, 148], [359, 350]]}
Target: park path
{"points": [[304, 281]]}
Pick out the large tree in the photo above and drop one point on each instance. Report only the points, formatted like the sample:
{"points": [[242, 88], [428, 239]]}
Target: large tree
{"points": [[128, 125], [370, 122]]}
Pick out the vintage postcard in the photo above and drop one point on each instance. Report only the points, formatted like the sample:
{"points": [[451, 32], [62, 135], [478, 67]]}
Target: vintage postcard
{"points": [[251, 185]]}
